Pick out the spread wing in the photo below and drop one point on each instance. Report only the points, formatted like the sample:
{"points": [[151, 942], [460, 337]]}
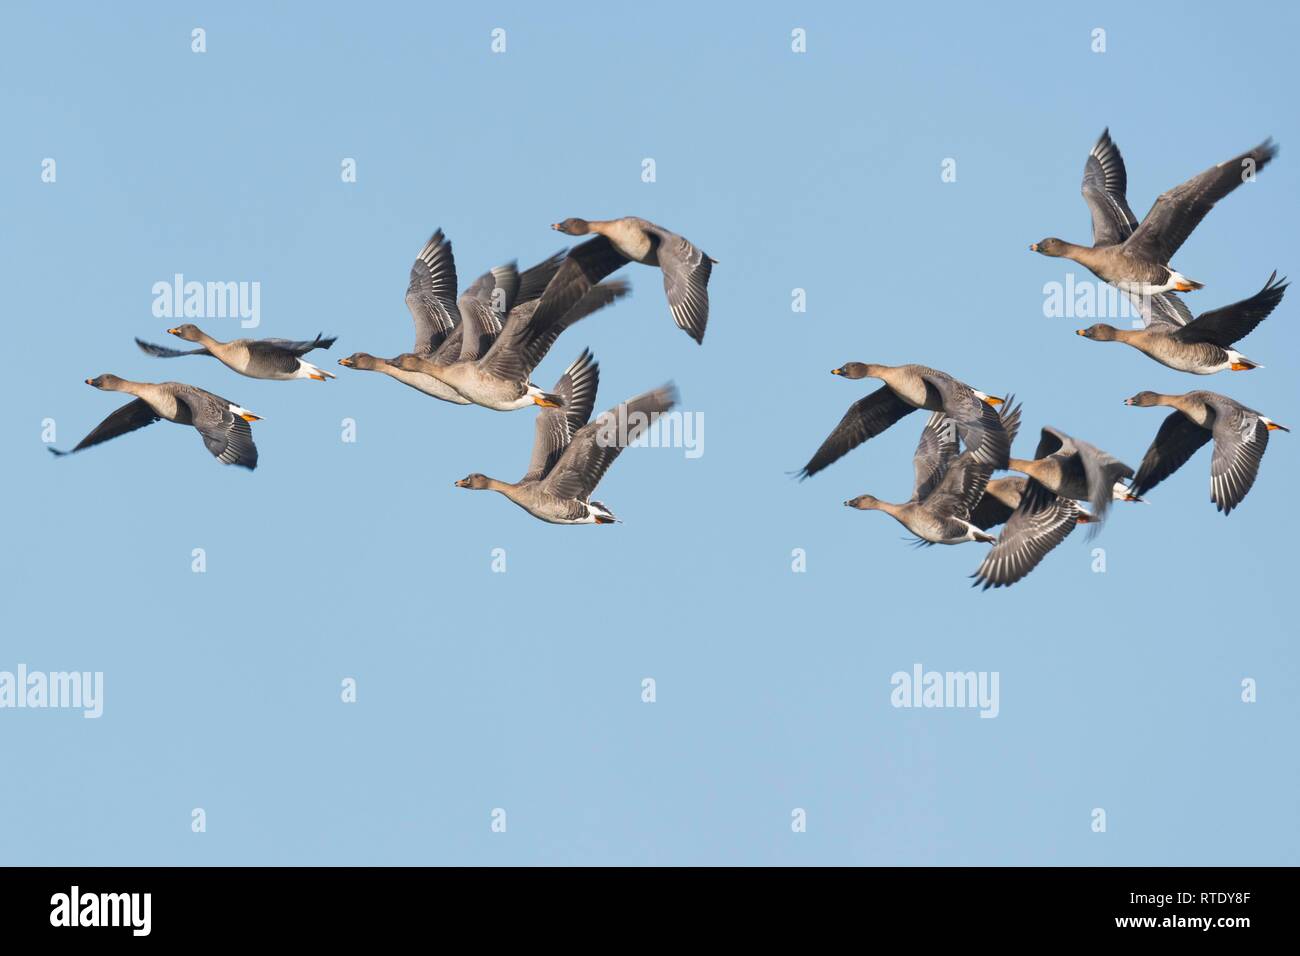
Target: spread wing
{"points": [[1224, 327], [934, 453], [866, 418], [1240, 439], [686, 272], [1180, 210], [1105, 182], [162, 351], [227, 436], [128, 418], [1041, 522], [556, 426], [431, 294], [596, 445], [1177, 440]]}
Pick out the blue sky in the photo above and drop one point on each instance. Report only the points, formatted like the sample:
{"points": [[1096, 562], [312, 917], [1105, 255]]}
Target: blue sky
{"points": [[522, 691]]}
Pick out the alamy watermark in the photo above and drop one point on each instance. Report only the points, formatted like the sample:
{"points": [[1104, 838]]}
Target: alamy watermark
{"points": [[676, 429], [73, 690], [179, 299], [942, 689]]}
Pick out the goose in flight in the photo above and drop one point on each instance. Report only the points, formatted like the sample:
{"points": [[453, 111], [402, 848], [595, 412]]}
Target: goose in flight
{"points": [[571, 455], [685, 267], [1202, 346], [1240, 438], [1132, 256], [947, 486], [431, 300], [495, 371], [276, 359], [907, 388], [222, 423], [1075, 469]]}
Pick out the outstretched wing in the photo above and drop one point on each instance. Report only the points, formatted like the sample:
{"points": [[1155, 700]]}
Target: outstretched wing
{"points": [[1177, 440], [866, 418], [128, 418], [686, 271], [162, 351], [556, 426], [1226, 326], [598, 443], [431, 294], [1180, 210], [1041, 522], [1105, 182]]}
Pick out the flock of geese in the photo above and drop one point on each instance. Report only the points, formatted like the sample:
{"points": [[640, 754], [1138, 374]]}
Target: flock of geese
{"points": [[969, 434], [478, 348], [482, 346]]}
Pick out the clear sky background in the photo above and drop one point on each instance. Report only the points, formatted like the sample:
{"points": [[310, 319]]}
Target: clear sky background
{"points": [[478, 690]]}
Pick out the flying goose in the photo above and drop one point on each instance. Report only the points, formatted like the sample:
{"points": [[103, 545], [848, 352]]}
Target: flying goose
{"points": [[1075, 469], [276, 359], [947, 486], [1240, 438], [1041, 520], [561, 476], [222, 423], [686, 268], [497, 375], [1134, 257], [907, 388], [1204, 345], [431, 300]]}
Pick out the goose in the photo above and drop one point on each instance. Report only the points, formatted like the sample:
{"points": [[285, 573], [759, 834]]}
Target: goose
{"points": [[685, 267], [1204, 345], [276, 359], [222, 423], [1134, 257], [562, 475], [497, 375], [1240, 438], [947, 486], [907, 388], [1039, 520], [1075, 469], [431, 300]]}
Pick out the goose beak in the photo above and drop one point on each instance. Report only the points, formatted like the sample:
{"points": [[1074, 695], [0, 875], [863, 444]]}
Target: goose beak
{"points": [[837, 371], [1080, 332], [1128, 401], [555, 226], [173, 331], [1033, 247], [90, 381], [347, 362], [462, 483]]}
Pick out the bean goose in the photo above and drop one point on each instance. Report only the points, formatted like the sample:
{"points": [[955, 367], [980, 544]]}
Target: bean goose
{"points": [[222, 423], [276, 359], [947, 486], [431, 300], [1075, 469], [497, 375], [1204, 345], [1134, 257], [685, 267], [907, 388], [563, 474], [1240, 438], [1037, 520]]}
